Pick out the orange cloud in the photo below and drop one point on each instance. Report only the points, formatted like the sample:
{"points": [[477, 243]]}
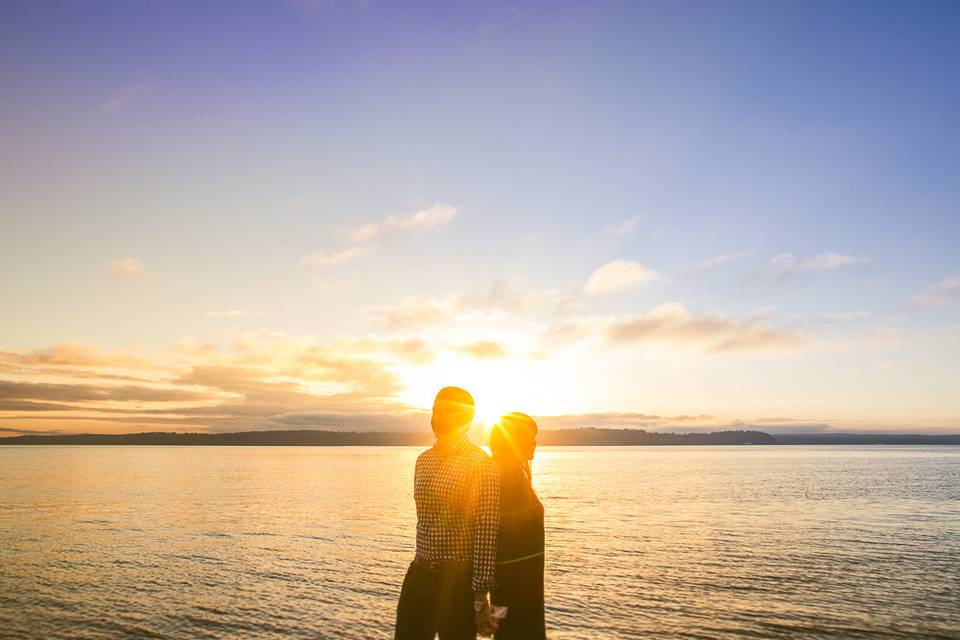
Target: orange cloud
{"points": [[126, 268], [484, 349]]}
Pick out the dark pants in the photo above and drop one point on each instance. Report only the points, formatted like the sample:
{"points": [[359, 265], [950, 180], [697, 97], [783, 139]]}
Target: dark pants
{"points": [[520, 590], [434, 602]]}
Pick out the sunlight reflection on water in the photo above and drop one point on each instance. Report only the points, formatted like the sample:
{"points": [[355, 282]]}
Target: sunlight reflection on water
{"points": [[658, 542]]}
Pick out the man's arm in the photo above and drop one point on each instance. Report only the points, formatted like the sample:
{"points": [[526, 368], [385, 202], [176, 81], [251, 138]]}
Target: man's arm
{"points": [[486, 525]]}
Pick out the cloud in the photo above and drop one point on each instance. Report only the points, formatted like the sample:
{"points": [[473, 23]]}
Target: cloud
{"points": [[629, 420], [325, 284], [363, 238], [72, 354], [29, 432], [419, 311], [270, 380], [883, 337], [238, 313], [244, 384], [123, 96], [715, 262], [334, 259], [786, 267], [674, 326], [507, 296], [423, 220], [126, 268], [704, 423], [410, 420], [788, 263], [942, 293], [484, 350], [414, 350], [65, 393], [624, 228], [848, 315], [617, 276]]}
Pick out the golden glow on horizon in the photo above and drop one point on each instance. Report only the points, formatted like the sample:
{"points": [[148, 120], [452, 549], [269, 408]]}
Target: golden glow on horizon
{"points": [[498, 387]]}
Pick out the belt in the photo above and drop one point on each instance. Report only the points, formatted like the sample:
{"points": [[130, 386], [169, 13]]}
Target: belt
{"points": [[442, 566], [521, 559]]}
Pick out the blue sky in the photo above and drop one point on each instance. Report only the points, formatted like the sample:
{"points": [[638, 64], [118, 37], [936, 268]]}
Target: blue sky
{"points": [[774, 184]]}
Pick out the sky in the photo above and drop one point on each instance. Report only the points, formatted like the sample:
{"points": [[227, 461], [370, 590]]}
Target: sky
{"points": [[282, 214]]}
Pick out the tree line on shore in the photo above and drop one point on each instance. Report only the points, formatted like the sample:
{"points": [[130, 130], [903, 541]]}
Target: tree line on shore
{"points": [[588, 436]]}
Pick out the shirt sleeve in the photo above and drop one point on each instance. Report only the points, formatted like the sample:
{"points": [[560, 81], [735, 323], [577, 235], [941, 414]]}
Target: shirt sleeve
{"points": [[487, 523]]}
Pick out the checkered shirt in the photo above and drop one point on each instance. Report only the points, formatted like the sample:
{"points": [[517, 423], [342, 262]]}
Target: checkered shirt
{"points": [[457, 491]]}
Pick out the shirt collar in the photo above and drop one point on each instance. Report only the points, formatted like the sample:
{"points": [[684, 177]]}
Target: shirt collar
{"points": [[448, 446]]}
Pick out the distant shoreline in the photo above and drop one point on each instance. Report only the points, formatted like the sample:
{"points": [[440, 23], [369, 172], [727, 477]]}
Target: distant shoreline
{"points": [[556, 437]]}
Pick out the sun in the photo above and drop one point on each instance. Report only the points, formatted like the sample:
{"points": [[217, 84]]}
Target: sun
{"points": [[490, 408], [498, 387]]}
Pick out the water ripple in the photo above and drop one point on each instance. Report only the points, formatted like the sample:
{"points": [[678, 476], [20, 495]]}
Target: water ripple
{"points": [[695, 542]]}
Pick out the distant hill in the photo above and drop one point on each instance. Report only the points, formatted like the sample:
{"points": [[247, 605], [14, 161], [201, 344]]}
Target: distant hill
{"points": [[308, 437], [868, 438], [303, 437], [547, 437], [620, 437]]}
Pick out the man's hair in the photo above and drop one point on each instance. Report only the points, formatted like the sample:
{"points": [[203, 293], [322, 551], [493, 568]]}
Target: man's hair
{"points": [[452, 411]]}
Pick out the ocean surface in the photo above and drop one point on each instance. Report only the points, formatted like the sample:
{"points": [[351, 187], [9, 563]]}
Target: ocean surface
{"points": [[642, 542]]}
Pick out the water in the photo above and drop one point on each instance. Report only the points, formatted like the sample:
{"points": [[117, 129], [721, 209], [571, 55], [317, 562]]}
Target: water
{"points": [[658, 542]]}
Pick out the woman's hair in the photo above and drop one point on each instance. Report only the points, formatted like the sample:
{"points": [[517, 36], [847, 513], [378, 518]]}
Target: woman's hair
{"points": [[504, 436]]}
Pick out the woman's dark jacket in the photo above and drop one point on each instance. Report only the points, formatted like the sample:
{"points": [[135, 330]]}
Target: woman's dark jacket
{"points": [[520, 547]]}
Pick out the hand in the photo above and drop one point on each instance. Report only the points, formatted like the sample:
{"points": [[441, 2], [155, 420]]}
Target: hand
{"points": [[486, 623]]}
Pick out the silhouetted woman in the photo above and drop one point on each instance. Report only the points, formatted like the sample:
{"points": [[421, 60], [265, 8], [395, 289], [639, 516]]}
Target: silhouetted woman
{"points": [[519, 573]]}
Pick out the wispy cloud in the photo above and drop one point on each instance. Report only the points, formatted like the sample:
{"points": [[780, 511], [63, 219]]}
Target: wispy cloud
{"points": [[787, 267], [788, 263], [126, 268], [484, 349], [507, 296], [937, 295], [73, 354], [617, 276], [671, 324], [708, 265], [414, 350], [243, 384], [625, 227], [884, 337], [417, 311], [71, 393], [123, 96], [423, 220], [629, 420], [256, 380], [847, 315], [363, 239], [334, 259], [238, 313], [716, 261], [713, 263]]}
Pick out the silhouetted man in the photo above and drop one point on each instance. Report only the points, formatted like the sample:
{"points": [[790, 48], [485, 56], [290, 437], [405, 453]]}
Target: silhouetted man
{"points": [[457, 491]]}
